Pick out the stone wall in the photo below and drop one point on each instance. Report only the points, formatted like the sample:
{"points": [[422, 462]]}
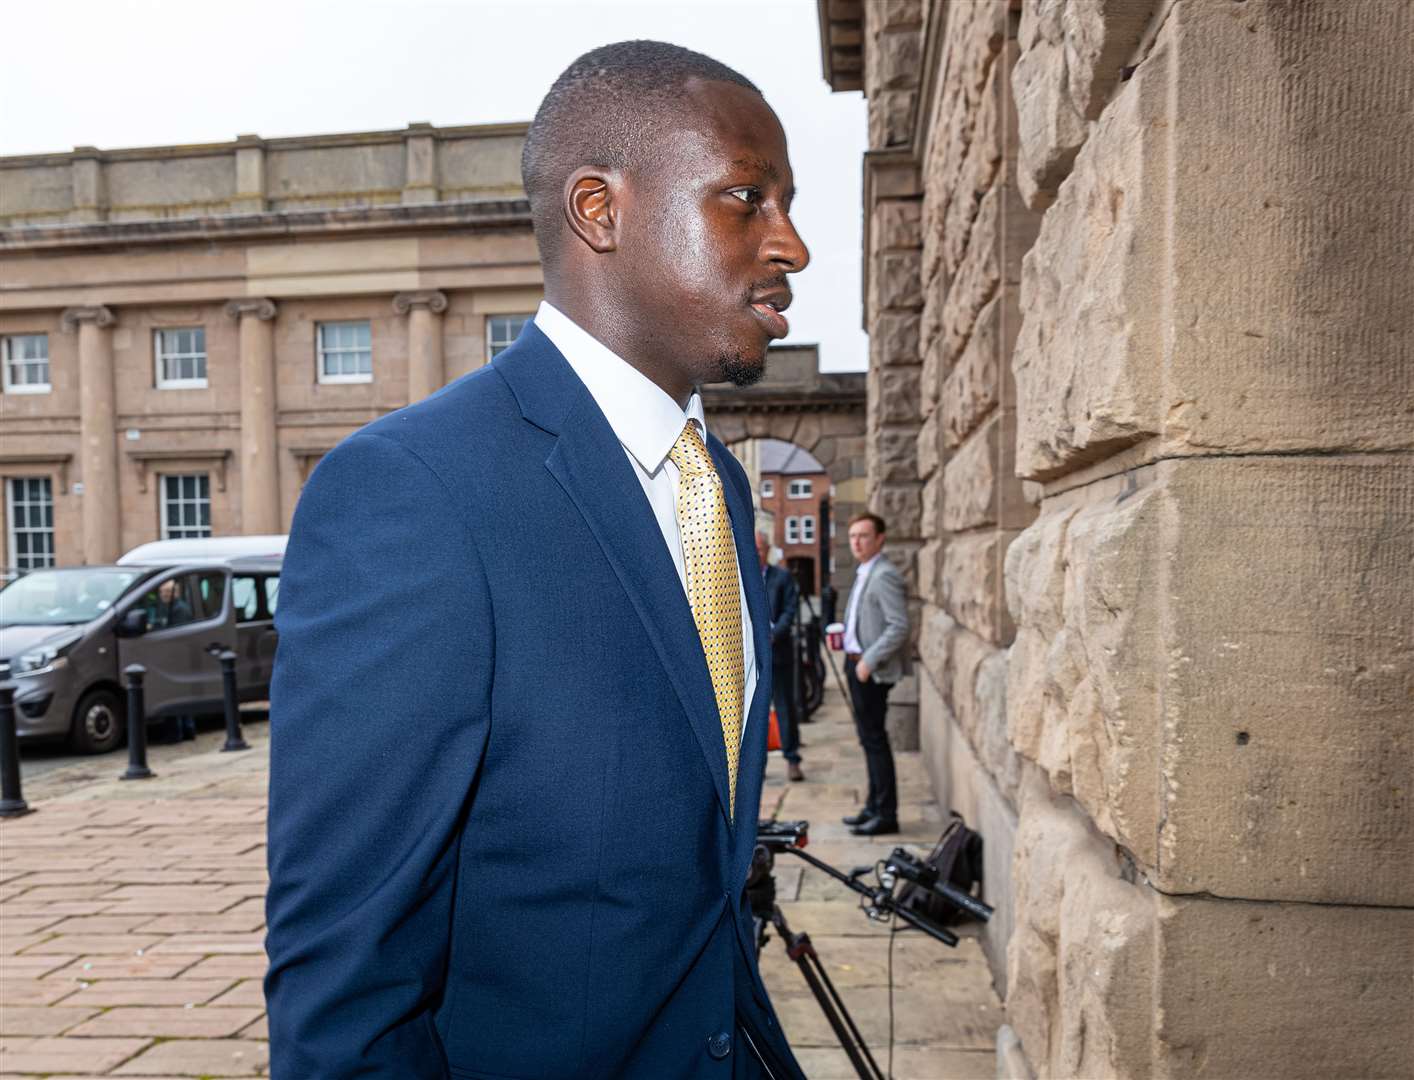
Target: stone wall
{"points": [[892, 39], [1151, 257], [1212, 674], [948, 231]]}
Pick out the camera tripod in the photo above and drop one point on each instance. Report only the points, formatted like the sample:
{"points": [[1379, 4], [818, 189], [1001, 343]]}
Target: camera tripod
{"points": [[879, 904]]}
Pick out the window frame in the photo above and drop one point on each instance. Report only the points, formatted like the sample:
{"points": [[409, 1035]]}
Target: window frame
{"points": [[493, 347], [792, 533], [320, 352], [12, 531], [184, 532], [160, 355], [768, 489], [800, 489], [807, 529], [6, 360]]}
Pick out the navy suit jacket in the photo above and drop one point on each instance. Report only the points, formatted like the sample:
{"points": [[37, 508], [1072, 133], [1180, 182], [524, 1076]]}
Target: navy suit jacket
{"points": [[499, 837], [782, 598]]}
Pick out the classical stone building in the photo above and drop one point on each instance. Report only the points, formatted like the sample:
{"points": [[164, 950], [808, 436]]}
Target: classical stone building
{"points": [[187, 329], [1142, 394]]}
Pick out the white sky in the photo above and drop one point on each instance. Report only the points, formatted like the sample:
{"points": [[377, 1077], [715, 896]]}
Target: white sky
{"points": [[121, 73]]}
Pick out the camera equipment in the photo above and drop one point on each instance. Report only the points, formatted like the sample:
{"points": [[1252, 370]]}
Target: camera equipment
{"points": [[879, 902]]}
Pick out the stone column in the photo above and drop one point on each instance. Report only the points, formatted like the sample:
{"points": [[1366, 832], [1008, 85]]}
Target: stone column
{"points": [[98, 446], [424, 308], [260, 479]]}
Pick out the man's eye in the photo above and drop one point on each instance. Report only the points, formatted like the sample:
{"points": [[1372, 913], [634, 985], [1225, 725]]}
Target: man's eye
{"points": [[748, 195]]}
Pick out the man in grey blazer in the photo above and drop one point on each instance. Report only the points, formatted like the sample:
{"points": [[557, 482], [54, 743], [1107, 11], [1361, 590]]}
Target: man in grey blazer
{"points": [[875, 643]]}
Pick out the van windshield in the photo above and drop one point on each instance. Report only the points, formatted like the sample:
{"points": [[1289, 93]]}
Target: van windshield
{"points": [[54, 597]]}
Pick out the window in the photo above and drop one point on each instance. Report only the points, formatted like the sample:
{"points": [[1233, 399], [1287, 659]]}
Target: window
{"points": [[181, 358], [501, 330], [186, 507], [29, 512], [26, 360], [768, 488], [170, 604], [210, 590], [807, 530], [244, 598], [792, 530], [345, 352], [799, 489], [247, 590]]}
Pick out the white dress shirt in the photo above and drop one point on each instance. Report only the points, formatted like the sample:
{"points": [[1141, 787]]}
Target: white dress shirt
{"points": [[647, 422], [851, 616]]}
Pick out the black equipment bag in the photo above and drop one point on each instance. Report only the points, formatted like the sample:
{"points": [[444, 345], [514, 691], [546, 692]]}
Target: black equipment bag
{"points": [[957, 857]]}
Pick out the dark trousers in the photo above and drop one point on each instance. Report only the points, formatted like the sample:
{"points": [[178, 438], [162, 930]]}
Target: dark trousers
{"points": [[783, 697], [871, 705]]}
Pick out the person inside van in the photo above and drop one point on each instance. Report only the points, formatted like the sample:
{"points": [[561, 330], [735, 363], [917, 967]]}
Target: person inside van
{"points": [[168, 607]]}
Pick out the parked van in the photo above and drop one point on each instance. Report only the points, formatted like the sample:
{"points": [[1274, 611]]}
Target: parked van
{"points": [[66, 636]]}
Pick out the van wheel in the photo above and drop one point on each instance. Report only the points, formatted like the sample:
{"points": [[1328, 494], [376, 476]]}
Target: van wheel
{"points": [[99, 723]]}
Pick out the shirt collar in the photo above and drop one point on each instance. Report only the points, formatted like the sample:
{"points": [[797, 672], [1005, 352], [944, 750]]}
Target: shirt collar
{"points": [[644, 418], [864, 567]]}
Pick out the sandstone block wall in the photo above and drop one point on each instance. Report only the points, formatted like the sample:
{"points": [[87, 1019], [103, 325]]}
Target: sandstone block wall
{"points": [[1211, 681], [955, 461], [893, 38], [1164, 484]]}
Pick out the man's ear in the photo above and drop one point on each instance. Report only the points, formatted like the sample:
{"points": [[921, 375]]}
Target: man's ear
{"points": [[592, 197]]}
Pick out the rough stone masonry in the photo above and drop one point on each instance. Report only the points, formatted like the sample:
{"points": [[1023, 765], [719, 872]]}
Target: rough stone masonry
{"points": [[1142, 397]]}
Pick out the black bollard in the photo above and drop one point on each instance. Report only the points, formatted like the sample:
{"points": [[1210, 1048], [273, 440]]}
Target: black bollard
{"points": [[137, 726], [12, 803], [234, 739]]}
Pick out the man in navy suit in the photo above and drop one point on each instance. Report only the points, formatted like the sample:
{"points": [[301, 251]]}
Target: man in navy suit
{"points": [[517, 745], [782, 597]]}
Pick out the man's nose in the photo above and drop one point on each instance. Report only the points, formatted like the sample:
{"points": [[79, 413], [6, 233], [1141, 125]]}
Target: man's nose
{"points": [[784, 248]]}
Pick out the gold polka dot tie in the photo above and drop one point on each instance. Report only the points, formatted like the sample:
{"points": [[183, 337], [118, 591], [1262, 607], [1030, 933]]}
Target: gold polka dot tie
{"points": [[712, 587]]}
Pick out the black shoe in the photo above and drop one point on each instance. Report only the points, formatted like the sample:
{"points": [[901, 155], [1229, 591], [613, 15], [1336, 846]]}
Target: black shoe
{"points": [[860, 818], [876, 827]]}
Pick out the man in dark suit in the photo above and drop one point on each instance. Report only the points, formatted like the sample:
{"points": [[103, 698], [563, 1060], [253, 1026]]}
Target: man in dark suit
{"points": [[519, 708], [782, 597], [876, 657]]}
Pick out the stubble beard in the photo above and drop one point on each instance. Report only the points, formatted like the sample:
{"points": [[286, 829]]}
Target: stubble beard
{"points": [[739, 371]]}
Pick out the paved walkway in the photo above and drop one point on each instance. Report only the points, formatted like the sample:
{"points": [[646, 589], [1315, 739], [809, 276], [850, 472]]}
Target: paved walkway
{"points": [[131, 922]]}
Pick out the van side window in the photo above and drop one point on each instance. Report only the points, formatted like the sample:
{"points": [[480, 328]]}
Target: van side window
{"points": [[170, 604], [272, 593], [244, 598], [210, 592]]}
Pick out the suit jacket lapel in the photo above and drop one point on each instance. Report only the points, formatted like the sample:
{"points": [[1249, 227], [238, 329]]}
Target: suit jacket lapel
{"points": [[590, 465]]}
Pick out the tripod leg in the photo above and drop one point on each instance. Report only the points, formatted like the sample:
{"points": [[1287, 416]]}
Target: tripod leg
{"points": [[845, 1016], [799, 949]]}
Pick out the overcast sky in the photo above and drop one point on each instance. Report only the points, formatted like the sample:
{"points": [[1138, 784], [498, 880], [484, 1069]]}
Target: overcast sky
{"points": [[121, 73]]}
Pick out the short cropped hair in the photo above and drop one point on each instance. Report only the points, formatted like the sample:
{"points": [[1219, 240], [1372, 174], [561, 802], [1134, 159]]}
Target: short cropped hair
{"points": [[871, 517], [608, 109]]}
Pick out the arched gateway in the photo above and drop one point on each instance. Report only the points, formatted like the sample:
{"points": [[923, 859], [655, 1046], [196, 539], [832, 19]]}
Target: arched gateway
{"points": [[819, 412]]}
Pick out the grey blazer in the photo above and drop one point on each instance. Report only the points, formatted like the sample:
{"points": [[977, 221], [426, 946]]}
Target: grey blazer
{"points": [[883, 621]]}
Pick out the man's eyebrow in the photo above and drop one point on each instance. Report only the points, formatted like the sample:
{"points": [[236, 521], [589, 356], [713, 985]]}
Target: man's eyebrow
{"points": [[759, 164]]}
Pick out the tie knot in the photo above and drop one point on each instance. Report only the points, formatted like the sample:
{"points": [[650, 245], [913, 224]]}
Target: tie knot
{"points": [[689, 453]]}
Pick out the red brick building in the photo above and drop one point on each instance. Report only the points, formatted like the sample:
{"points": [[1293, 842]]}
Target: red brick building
{"points": [[792, 486]]}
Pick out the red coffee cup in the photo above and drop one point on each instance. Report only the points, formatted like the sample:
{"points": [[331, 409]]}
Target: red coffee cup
{"points": [[834, 634]]}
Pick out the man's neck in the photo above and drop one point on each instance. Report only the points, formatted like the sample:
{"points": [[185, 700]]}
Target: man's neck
{"points": [[597, 320]]}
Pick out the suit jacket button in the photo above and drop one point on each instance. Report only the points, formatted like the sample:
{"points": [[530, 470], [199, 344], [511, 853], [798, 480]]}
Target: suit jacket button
{"points": [[719, 1045]]}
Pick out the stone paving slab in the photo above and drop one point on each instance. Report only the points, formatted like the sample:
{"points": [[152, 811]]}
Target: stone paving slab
{"points": [[132, 922]]}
